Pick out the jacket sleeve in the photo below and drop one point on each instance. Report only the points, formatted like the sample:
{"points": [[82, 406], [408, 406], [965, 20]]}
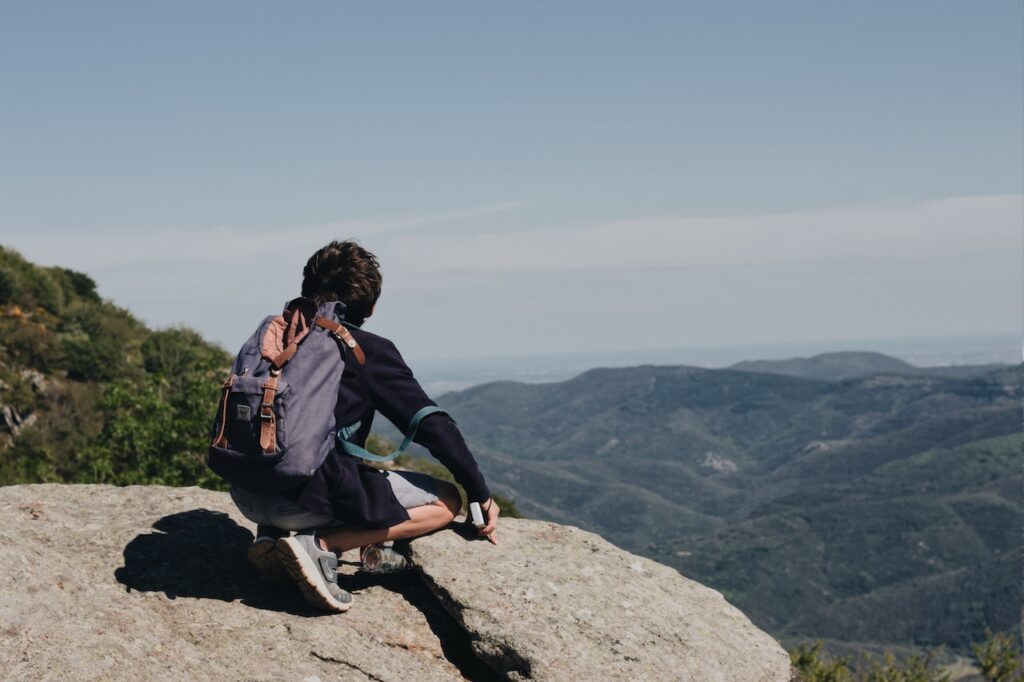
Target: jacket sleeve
{"points": [[397, 395]]}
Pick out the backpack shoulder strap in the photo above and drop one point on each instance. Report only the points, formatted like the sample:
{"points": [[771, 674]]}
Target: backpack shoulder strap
{"points": [[343, 335], [414, 425]]}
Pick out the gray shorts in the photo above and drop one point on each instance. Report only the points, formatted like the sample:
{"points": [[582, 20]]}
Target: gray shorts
{"points": [[412, 489]]}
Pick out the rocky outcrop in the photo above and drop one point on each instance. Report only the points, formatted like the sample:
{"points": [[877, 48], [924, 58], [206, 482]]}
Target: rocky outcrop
{"points": [[10, 420], [151, 583], [554, 602]]}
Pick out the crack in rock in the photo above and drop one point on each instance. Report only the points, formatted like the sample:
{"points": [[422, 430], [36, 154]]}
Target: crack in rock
{"points": [[353, 666], [500, 655], [553, 602]]}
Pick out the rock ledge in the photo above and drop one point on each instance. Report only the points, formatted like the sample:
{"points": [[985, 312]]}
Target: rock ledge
{"points": [[148, 582]]}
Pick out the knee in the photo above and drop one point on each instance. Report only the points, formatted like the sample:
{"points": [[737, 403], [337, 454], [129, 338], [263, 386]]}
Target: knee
{"points": [[448, 495]]}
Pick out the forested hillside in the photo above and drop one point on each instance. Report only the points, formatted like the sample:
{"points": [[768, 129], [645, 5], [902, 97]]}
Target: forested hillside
{"points": [[89, 394], [821, 508]]}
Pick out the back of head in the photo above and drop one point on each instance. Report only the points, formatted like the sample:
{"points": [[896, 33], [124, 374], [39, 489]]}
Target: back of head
{"points": [[346, 272]]}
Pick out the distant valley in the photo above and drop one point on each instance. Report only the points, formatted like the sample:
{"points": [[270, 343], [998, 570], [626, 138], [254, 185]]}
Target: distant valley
{"points": [[821, 495]]}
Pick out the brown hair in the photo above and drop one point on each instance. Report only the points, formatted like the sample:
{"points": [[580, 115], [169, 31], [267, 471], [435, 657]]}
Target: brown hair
{"points": [[344, 271]]}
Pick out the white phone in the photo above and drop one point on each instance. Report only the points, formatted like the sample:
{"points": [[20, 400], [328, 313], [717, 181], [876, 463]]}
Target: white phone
{"points": [[477, 514]]}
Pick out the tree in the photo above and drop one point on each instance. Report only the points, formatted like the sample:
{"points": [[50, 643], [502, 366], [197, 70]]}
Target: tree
{"points": [[155, 431], [817, 666], [176, 351], [913, 668], [999, 657]]}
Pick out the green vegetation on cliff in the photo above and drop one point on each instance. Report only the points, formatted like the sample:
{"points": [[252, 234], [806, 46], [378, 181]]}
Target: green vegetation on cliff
{"points": [[89, 394], [997, 659]]}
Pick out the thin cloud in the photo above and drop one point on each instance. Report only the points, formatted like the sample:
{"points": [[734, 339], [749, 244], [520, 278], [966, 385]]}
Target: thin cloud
{"points": [[103, 249], [945, 228]]}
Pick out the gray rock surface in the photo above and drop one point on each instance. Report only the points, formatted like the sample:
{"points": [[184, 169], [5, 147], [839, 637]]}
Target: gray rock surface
{"points": [[151, 582], [553, 602]]}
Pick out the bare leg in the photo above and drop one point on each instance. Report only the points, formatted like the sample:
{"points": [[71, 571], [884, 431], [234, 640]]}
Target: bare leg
{"points": [[422, 520]]}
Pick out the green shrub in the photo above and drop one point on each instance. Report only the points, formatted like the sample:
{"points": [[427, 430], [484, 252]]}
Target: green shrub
{"points": [[100, 342], [31, 459], [816, 665], [913, 668], [43, 291], [999, 657], [8, 286], [30, 286], [88, 359], [75, 285], [49, 451], [155, 432], [29, 343], [172, 352]]}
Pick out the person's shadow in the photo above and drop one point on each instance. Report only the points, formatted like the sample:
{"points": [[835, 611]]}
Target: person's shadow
{"points": [[201, 554]]}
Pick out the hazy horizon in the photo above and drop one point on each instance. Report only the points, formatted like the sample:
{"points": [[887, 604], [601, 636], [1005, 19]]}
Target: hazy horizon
{"points": [[441, 375]]}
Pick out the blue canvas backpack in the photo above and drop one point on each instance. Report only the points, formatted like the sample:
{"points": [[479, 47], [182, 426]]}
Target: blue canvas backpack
{"points": [[275, 423]]}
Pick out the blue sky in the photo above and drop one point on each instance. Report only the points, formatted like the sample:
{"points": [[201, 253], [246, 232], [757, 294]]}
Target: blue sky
{"points": [[698, 173]]}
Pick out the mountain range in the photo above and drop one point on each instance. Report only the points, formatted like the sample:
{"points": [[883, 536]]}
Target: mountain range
{"points": [[849, 496]]}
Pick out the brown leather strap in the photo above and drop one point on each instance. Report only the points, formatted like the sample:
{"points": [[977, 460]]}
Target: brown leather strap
{"points": [[268, 423], [329, 325], [221, 440], [282, 358], [344, 334]]}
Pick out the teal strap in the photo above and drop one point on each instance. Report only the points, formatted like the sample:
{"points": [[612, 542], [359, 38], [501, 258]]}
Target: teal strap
{"points": [[414, 424], [345, 432]]}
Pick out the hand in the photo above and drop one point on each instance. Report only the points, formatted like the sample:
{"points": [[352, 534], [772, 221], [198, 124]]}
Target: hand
{"points": [[490, 510]]}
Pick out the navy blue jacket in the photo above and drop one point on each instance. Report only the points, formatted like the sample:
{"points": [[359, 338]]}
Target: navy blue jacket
{"points": [[345, 486]]}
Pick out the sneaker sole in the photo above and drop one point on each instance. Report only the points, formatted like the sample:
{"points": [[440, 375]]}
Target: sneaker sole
{"points": [[265, 558], [306, 575]]}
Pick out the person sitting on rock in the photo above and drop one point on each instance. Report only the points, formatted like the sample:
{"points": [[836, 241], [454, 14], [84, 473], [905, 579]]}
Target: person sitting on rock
{"points": [[347, 503]]}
